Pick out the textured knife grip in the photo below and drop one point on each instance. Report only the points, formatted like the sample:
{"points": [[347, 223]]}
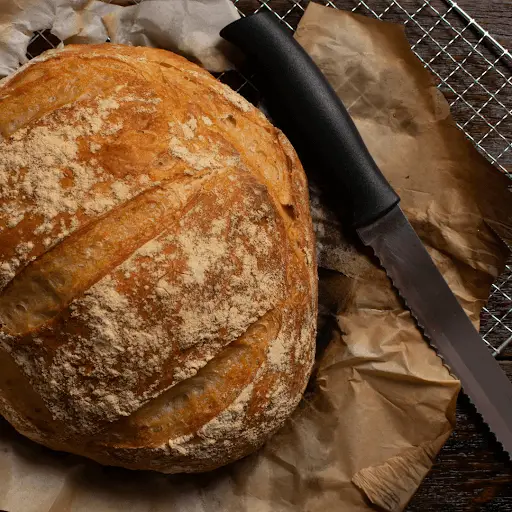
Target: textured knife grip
{"points": [[314, 116]]}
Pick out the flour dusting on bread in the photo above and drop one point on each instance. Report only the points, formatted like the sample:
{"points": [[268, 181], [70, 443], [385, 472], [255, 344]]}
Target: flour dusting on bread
{"points": [[157, 272]]}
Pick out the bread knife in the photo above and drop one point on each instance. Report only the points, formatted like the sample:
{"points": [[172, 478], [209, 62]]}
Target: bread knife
{"points": [[297, 93]]}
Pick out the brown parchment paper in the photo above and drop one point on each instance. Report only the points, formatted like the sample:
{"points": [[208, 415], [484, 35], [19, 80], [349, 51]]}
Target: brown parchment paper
{"points": [[380, 404]]}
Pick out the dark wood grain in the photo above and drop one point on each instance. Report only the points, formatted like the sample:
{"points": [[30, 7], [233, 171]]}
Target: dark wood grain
{"points": [[470, 474], [494, 15], [500, 303]]}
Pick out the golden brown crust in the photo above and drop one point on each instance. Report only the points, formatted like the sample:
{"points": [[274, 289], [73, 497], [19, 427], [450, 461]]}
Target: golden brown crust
{"points": [[157, 268]]}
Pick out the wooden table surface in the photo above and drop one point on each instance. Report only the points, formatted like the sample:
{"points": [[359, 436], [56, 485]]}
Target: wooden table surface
{"points": [[470, 473]]}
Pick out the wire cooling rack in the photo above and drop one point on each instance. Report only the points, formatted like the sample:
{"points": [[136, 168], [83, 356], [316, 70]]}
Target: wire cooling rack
{"points": [[474, 72]]}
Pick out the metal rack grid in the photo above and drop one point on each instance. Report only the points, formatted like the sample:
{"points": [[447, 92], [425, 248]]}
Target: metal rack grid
{"points": [[478, 87]]}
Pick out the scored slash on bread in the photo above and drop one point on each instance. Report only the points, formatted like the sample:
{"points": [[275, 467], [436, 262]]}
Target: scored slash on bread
{"points": [[158, 288]]}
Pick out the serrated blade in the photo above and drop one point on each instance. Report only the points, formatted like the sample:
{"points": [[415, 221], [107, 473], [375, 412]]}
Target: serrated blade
{"points": [[444, 322]]}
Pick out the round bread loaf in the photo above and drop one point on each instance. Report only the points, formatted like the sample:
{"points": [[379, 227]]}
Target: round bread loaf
{"points": [[158, 291]]}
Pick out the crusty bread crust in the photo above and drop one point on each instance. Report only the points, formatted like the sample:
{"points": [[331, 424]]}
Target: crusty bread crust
{"points": [[158, 291]]}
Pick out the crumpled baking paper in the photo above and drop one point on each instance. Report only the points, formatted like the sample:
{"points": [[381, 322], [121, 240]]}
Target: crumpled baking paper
{"points": [[189, 27], [19, 19], [380, 403]]}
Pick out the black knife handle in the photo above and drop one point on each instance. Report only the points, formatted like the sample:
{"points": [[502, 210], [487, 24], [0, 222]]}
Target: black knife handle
{"points": [[294, 83]]}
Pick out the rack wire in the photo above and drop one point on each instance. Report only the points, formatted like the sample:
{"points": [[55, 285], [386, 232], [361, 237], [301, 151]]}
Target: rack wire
{"points": [[473, 70]]}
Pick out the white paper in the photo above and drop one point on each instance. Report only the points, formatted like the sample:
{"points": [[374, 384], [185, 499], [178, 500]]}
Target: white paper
{"points": [[188, 27], [81, 24], [19, 19]]}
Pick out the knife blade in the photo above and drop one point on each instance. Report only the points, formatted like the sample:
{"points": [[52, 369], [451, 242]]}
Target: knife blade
{"points": [[303, 103]]}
